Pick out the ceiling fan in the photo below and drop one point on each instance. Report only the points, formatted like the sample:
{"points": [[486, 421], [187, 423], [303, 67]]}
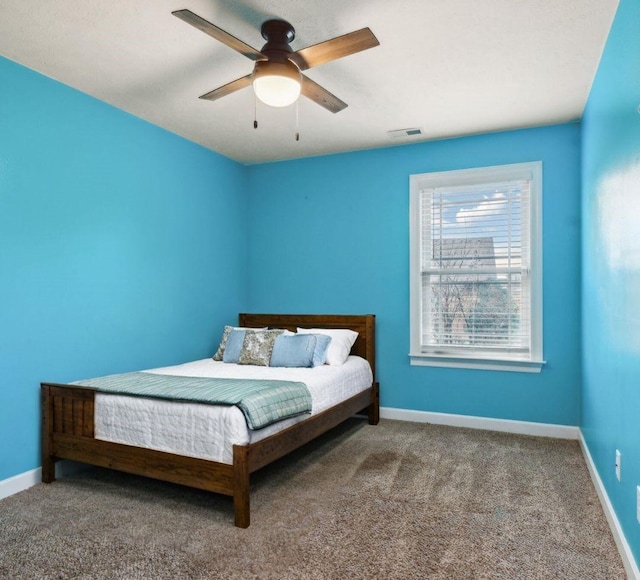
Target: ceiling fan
{"points": [[277, 78]]}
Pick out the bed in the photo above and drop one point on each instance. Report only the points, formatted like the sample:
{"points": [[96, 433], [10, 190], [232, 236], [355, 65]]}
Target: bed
{"points": [[69, 426]]}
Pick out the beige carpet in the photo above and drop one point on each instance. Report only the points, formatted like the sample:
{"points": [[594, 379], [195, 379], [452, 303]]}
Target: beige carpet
{"points": [[400, 500]]}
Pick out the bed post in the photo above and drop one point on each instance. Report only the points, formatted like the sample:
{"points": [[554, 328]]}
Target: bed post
{"points": [[48, 462], [374, 407], [241, 502]]}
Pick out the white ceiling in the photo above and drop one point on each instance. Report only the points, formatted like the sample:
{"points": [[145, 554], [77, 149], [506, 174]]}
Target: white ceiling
{"points": [[449, 67]]}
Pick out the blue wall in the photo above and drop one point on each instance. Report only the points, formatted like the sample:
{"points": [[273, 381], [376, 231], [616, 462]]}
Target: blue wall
{"points": [[331, 234], [122, 247], [611, 267]]}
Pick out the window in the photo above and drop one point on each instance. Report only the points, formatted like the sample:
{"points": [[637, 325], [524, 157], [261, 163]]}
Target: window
{"points": [[476, 268]]}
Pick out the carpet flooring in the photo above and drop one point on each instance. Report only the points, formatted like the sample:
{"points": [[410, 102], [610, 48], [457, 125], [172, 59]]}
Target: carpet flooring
{"points": [[398, 500]]}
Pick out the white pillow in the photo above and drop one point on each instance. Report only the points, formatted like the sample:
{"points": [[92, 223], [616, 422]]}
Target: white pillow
{"points": [[342, 340]]}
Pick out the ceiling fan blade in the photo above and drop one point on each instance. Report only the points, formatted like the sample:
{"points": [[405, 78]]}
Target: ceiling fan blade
{"points": [[323, 97], [335, 48], [219, 34], [227, 89]]}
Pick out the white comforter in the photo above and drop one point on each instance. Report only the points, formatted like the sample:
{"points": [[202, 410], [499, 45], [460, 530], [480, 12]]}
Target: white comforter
{"points": [[210, 431]]}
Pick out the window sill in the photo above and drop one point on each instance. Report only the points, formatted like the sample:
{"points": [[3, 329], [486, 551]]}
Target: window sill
{"points": [[456, 362]]}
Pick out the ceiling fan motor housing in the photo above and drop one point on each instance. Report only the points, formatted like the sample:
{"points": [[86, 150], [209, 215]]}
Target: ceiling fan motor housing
{"points": [[278, 34]]}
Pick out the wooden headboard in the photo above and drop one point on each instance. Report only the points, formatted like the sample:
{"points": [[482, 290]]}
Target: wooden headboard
{"points": [[364, 325]]}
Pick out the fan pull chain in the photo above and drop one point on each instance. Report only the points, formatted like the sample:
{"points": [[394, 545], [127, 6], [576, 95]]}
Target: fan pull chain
{"points": [[297, 122], [255, 110]]}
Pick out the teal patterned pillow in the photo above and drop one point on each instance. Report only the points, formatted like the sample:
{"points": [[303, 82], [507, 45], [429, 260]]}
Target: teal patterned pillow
{"points": [[257, 347]]}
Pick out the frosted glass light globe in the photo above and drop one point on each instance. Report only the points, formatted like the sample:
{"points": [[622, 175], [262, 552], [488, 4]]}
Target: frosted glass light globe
{"points": [[276, 91], [276, 84]]}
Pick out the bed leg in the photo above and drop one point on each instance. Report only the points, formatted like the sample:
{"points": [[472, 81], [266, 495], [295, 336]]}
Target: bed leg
{"points": [[374, 407], [241, 500], [48, 462], [48, 470]]}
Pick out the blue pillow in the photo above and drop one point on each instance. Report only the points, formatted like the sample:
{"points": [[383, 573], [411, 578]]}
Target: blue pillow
{"points": [[234, 346], [320, 352], [293, 351]]}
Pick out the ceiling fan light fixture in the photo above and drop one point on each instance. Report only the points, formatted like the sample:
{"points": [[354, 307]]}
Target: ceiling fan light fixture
{"points": [[277, 84], [277, 77]]}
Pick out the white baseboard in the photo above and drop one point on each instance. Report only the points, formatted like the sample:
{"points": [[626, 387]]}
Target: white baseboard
{"points": [[471, 422], [28, 479], [626, 554]]}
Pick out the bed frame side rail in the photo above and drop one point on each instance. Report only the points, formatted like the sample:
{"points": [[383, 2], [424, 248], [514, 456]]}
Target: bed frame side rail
{"points": [[250, 458]]}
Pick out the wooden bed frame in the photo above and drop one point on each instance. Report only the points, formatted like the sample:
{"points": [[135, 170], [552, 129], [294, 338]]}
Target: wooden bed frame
{"points": [[68, 426]]}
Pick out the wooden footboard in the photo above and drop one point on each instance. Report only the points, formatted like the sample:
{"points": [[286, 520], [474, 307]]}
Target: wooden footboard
{"points": [[68, 428], [65, 411], [68, 433]]}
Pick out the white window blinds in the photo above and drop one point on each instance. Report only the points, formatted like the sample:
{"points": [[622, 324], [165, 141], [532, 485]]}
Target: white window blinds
{"points": [[474, 265]]}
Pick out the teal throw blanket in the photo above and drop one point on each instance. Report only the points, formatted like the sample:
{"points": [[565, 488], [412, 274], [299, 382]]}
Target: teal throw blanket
{"points": [[263, 402]]}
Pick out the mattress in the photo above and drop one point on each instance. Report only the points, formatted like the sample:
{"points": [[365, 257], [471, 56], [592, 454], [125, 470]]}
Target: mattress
{"points": [[210, 431]]}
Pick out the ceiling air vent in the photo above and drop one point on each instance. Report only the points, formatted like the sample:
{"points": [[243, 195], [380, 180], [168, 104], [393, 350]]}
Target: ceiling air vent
{"points": [[413, 132]]}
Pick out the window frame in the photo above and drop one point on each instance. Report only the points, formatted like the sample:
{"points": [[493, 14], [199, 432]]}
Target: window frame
{"points": [[476, 176]]}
